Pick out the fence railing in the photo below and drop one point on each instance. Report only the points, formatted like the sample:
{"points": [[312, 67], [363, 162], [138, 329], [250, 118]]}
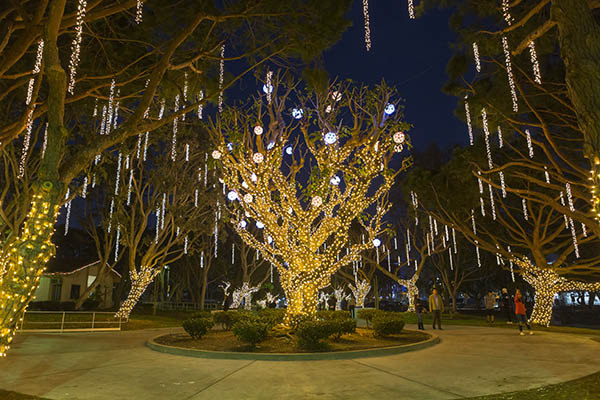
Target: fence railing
{"points": [[183, 306], [70, 321]]}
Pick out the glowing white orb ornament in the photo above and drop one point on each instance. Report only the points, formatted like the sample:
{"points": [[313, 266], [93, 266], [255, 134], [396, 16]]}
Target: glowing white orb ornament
{"points": [[259, 225], [335, 180], [253, 177], [229, 146], [328, 109], [258, 158], [258, 130], [297, 113], [232, 196], [399, 137], [376, 242], [398, 148], [330, 138], [248, 198], [289, 150], [269, 239], [243, 224], [337, 96], [244, 185], [268, 89], [216, 154], [390, 109], [270, 145], [316, 201]]}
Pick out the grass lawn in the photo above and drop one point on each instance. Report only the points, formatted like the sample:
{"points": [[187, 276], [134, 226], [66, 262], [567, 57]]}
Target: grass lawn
{"points": [[6, 395], [586, 388]]}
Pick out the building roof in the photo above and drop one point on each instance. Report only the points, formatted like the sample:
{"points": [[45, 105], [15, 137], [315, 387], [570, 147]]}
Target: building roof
{"points": [[77, 270]]}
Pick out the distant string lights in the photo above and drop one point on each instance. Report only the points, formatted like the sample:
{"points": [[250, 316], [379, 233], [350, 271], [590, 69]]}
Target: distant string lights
{"points": [[76, 45], [509, 72], [367, 25], [537, 76]]}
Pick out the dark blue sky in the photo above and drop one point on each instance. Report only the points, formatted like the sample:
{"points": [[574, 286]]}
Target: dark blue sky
{"points": [[410, 55]]}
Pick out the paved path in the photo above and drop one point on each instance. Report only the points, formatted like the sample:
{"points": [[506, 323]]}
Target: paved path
{"points": [[469, 361]]}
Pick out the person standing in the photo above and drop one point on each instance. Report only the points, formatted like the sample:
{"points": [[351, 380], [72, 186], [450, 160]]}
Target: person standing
{"points": [[506, 306], [521, 313], [352, 307], [490, 305], [436, 306], [419, 310]]}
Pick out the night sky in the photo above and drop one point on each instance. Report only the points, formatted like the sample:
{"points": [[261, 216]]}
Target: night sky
{"points": [[410, 55]]}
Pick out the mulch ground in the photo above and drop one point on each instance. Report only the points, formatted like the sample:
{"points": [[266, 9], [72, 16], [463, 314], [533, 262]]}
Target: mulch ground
{"points": [[218, 340]]}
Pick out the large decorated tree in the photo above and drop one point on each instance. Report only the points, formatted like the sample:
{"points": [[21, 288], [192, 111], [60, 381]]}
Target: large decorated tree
{"points": [[303, 166]]}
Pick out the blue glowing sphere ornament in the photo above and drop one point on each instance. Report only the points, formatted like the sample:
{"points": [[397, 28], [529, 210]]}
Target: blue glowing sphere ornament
{"points": [[390, 109], [259, 225], [289, 150], [376, 242], [268, 89], [229, 146], [330, 138], [243, 224], [297, 113]]}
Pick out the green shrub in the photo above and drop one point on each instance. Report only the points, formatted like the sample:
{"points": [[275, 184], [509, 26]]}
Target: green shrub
{"points": [[328, 315], [311, 333], [271, 316], [197, 327], [368, 314], [224, 318], [387, 323], [201, 314], [251, 331], [90, 304], [341, 327], [67, 306]]}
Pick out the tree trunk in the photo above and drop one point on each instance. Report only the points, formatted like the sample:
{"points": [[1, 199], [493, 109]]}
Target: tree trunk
{"points": [[86, 293], [453, 297], [139, 283], [542, 307], [203, 288], [579, 38], [301, 302], [375, 292]]}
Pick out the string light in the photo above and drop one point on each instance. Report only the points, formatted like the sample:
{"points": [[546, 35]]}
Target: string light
{"points": [[110, 214], [478, 255], [493, 206], [269, 86], [469, 126], [118, 177], [500, 141], [411, 9], [583, 228], [529, 143], [232, 253], [139, 11], [367, 25], [157, 225], [76, 45], [221, 76], [450, 257], [117, 243], [187, 152], [139, 282], [110, 110], [45, 143], [487, 138], [129, 186], [31, 107], [537, 76], [476, 55], [512, 271], [360, 292], [570, 197], [506, 13], [574, 237], [174, 139], [562, 202], [502, 184], [68, 217], [473, 222], [524, 203], [200, 97], [454, 240], [185, 245], [163, 211], [511, 82], [85, 185]]}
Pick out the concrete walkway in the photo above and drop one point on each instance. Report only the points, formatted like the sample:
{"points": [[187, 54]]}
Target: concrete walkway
{"points": [[470, 361]]}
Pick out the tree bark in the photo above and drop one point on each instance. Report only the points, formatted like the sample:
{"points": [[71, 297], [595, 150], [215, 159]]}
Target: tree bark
{"points": [[579, 39]]}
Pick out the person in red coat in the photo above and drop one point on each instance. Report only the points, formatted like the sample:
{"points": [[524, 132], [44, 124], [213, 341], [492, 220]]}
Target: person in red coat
{"points": [[521, 313]]}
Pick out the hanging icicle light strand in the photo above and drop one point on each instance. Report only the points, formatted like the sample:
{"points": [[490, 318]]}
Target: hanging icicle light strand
{"points": [[139, 11], [469, 126], [367, 25], [411, 9], [487, 138], [476, 55], [76, 45], [535, 65], [529, 143], [509, 72], [221, 77]]}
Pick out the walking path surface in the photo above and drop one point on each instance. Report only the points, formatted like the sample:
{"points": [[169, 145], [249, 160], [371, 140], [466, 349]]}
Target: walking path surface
{"points": [[469, 361]]}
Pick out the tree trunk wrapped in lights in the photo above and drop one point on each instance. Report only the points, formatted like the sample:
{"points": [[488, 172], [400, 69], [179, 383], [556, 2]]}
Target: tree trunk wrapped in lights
{"points": [[139, 282], [360, 292], [306, 177], [547, 284], [23, 263]]}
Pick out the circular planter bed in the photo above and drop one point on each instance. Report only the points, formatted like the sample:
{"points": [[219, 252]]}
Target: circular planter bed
{"points": [[224, 345]]}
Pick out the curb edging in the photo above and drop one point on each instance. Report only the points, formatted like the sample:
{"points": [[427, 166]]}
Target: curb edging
{"points": [[338, 355]]}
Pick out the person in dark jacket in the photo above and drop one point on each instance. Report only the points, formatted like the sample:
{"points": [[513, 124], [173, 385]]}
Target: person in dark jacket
{"points": [[506, 305], [419, 310]]}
